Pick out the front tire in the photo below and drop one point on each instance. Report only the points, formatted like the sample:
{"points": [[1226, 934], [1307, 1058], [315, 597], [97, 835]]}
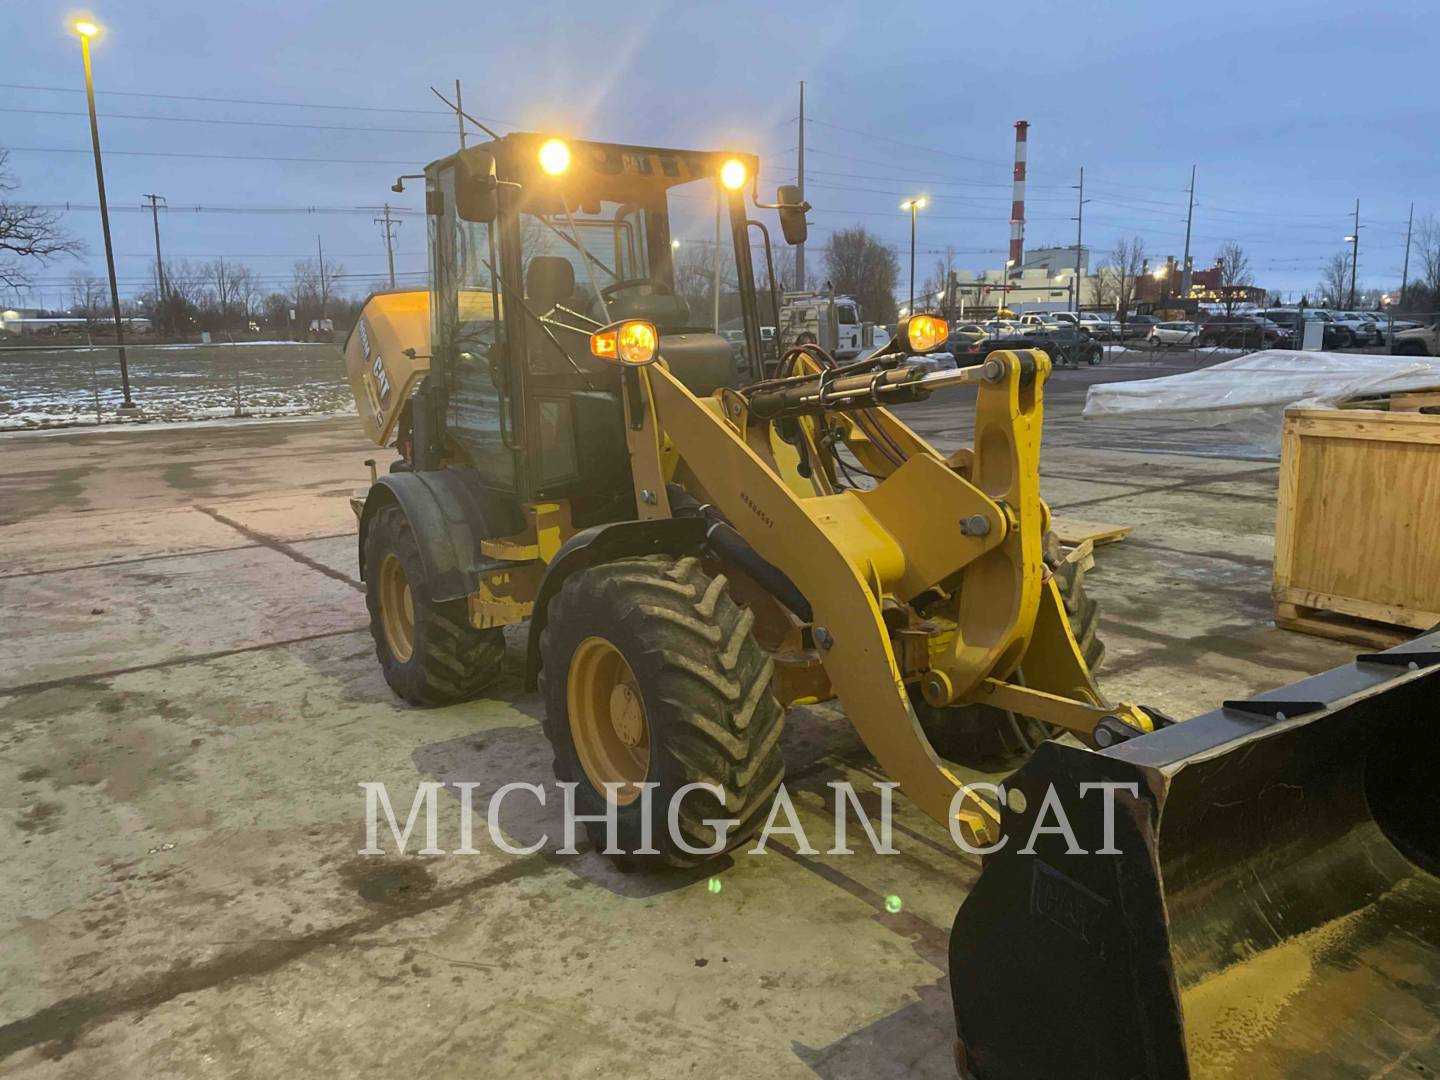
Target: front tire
{"points": [[651, 675], [428, 651]]}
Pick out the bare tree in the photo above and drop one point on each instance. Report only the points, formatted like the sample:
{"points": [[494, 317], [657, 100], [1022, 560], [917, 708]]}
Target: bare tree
{"points": [[304, 293], [1426, 260], [89, 297], [245, 288], [276, 308], [26, 231], [1334, 279], [784, 258], [859, 265], [694, 269], [220, 279], [1235, 275], [937, 293], [1116, 276]]}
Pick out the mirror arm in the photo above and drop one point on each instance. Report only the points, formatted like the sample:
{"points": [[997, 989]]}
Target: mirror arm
{"points": [[804, 207]]}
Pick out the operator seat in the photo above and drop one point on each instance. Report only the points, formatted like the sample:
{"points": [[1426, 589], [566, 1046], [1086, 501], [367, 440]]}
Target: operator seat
{"points": [[550, 280]]}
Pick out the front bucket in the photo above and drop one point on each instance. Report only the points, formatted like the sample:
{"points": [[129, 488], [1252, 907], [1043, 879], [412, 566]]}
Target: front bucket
{"points": [[1268, 904]]}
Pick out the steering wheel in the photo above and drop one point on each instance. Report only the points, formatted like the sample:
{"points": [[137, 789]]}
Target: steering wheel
{"points": [[658, 288]]}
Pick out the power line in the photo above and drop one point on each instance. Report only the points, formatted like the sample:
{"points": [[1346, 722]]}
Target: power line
{"points": [[224, 120], [250, 101], [67, 207], [410, 163]]}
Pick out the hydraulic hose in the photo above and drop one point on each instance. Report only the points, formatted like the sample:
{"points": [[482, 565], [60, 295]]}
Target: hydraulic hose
{"points": [[727, 543]]}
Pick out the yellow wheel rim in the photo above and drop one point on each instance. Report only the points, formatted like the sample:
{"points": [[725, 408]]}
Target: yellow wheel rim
{"points": [[607, 719], [397, 609]]}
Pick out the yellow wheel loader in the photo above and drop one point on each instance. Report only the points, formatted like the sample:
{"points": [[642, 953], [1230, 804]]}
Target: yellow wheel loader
{"points": [[592, 437]]}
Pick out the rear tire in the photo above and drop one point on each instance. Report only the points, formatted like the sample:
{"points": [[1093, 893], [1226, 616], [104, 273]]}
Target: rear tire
{"points": [[428, 651], [708, 707], [981, 736]]}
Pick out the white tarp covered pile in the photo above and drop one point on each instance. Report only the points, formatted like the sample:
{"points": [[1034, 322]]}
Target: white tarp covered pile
{"points": [[1250, 393]]}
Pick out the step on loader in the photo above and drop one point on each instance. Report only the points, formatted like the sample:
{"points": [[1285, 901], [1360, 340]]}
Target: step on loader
{"points": [[594, 436]]}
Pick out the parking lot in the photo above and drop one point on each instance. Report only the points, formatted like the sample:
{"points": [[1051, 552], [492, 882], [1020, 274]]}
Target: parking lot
{"points": [[190, 703]]}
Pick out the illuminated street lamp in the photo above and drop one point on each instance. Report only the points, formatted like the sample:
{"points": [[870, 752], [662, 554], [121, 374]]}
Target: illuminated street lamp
{"points": [[87, 29], [913, 205]]}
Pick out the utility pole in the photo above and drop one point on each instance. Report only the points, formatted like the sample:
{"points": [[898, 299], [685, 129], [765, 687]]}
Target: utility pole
{"points": [[323, 291], [1405, 271], [1354, 253], [155, 201], [1189, 218], [459, 114], [800, 180], [1079, 236], [389, 223]]}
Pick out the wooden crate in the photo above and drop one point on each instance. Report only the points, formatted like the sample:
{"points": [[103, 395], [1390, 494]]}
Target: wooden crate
{"points": [[1357, 530]]}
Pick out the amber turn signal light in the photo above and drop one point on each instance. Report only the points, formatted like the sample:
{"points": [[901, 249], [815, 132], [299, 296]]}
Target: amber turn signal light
{"points": [[633, 342]]}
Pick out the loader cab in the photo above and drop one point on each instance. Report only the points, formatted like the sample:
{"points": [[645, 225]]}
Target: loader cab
{"points": [[535, 243]]}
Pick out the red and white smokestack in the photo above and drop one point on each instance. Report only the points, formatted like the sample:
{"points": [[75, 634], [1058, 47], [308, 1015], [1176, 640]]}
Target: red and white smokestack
{"points": [[1017, 204]]}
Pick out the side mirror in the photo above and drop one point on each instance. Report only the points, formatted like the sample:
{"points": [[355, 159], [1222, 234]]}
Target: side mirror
{"points": [[792, 213], [476, 190]]}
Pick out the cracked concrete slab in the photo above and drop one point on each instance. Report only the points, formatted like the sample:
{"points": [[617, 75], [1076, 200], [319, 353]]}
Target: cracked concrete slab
{"points": [[182, 813]]}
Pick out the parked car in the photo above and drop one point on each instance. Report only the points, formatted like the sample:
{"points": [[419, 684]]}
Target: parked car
{"points": [[1106, 328], [1035, 318], [1334, 335], [1003, 327], [1364, 331], [1066, 346], [1417, 341], [1133, 326], [1172, 333], [1244, 332]]}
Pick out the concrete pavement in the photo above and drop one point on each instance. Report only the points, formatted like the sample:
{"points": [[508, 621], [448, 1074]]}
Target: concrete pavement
{"points": [[189, 701]]}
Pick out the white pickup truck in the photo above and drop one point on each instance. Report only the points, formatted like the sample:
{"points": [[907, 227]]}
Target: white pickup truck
{"points": [[1420, 341]]}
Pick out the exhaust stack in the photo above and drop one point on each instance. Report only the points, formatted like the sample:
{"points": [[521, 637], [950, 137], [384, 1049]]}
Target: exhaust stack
{"points": [[1017, 205]]}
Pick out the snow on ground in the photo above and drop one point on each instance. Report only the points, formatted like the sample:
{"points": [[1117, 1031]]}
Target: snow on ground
{"points": [[62, 387]]}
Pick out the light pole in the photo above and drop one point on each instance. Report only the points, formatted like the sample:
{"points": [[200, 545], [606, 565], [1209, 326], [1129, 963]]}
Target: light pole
{"points": [[87, 29], [913, 205]]}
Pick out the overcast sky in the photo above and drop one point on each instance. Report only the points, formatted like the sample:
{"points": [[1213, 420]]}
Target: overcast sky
{"points": [[1290, 111]]}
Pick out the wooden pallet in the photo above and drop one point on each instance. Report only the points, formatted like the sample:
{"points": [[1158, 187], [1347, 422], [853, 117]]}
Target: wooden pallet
{"points": [[1073, 531], [1366, 633]]}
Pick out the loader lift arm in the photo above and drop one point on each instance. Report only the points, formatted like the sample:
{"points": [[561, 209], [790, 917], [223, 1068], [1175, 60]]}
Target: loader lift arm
{"points": [[849, 551]]}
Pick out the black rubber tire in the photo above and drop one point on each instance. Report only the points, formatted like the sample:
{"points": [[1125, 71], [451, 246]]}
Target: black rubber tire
{"points": [[708, 692], [984, 737], [452, 661], [1083, 611], [1344, 338], [1097, 354]]}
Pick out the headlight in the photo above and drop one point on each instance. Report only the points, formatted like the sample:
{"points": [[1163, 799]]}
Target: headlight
{"points": [[554, 156], [633, 342], [732, 174]]}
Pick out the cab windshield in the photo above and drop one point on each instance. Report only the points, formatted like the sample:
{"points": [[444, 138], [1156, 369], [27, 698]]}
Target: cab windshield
{"points": [[665, 254]]}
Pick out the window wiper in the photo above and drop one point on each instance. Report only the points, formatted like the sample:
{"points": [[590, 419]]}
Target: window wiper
{"points": [[541, 321]]}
